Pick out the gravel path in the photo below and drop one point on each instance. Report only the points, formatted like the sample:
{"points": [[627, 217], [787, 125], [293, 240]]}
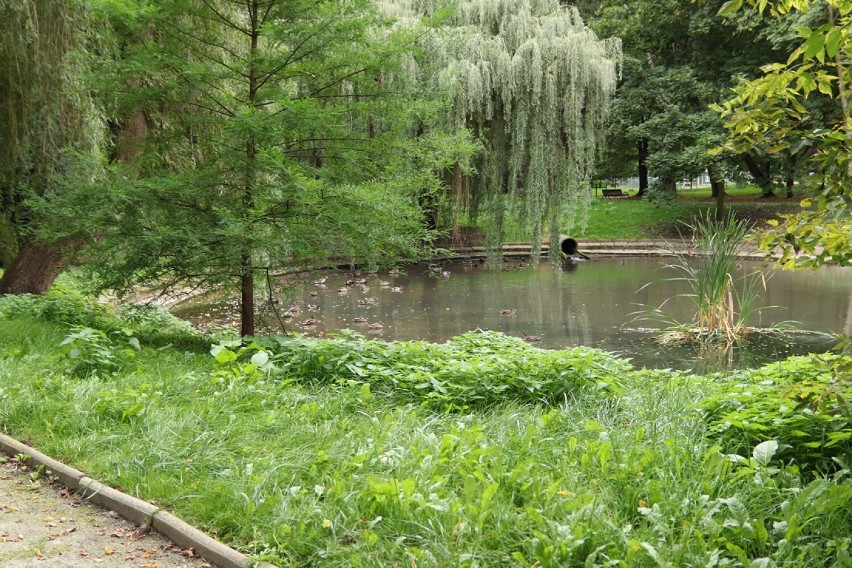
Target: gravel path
{"points": [[43, 525]]}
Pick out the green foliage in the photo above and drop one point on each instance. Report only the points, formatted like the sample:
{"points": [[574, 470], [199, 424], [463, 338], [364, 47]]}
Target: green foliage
{"points": [[254, 137], [473, 370], [533, 84], [804, 107], [47, 114], [805, 403], [327, 472], [92, 351], [679, 57], [126, 404], [155, 324], [68, 304], [56, 306]]}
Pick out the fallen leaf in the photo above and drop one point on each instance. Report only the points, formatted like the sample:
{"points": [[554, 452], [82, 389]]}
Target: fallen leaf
{"points": [[108, 550]]}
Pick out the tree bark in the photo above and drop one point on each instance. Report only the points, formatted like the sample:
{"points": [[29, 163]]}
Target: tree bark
{"points": [[247, 327], [717, 188], [642, 147], [762, 175], [34, 269]]}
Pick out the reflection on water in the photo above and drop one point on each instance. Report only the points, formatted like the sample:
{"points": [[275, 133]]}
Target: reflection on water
{"points": [[590, 303]]}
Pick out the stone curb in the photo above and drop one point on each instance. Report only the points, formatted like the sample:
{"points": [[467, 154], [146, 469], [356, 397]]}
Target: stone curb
{"points": [[133, 509]]}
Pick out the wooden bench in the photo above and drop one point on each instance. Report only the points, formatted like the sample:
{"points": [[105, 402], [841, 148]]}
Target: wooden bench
{"points": [[607, 193]]}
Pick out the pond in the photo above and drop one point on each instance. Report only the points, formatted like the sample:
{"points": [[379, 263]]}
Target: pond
{"points": [[592, 303]]}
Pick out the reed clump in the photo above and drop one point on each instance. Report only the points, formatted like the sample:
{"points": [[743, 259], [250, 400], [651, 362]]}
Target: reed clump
{"points": [[724, 297]]}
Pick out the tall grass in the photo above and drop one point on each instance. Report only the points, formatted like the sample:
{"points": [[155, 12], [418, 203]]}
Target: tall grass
{"points": [[305, 469], [724, 302]]}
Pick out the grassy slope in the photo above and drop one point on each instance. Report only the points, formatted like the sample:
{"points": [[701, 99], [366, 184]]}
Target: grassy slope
{"points": [[333, 475]]}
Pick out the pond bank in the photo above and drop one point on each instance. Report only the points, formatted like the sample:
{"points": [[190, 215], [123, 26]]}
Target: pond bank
{"points": [[592, 248]]}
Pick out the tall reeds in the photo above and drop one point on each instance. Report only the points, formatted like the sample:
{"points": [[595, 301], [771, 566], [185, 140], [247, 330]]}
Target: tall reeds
{"points": [[724, 302]]}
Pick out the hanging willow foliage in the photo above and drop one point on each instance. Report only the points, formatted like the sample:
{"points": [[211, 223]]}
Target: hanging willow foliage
{"points": [[534, 84], [47, 117]]}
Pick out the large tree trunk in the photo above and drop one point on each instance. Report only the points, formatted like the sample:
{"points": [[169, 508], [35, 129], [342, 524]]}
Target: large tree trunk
{"points": [[36, 265], [642, 147], [34, 269]]}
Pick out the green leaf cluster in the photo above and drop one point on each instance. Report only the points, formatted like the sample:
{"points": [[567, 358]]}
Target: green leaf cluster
{"points": [[804, 107]]}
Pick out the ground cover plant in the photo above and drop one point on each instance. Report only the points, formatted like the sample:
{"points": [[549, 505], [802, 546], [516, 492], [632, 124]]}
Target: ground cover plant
{"points": [[297, 451]]}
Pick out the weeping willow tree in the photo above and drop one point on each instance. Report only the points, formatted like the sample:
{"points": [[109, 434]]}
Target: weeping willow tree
{"points": [[48, 122], [533, 84]]}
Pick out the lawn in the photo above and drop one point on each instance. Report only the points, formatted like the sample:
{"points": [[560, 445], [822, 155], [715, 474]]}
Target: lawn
{"points": [[631, 218], [482, 452]]}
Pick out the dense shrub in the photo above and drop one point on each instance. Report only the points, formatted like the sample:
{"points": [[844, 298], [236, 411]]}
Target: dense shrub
{"points": [[58, 306], [805, 403], [474, 369]]}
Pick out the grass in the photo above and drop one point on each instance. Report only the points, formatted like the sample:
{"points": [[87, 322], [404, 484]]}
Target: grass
{"points": [[628, 219], [309, 467]]}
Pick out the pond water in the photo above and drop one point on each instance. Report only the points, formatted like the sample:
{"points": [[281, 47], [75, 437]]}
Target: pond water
{"points": [[592, 303]]}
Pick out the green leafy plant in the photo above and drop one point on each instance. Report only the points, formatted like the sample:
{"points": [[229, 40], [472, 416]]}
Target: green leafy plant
{"points": [[124, 405], [805, 403], [92, 351], [475, 369]]}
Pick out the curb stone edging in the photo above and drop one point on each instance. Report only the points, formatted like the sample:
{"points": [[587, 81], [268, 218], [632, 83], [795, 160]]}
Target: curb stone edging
{"points": [[133, 509]]}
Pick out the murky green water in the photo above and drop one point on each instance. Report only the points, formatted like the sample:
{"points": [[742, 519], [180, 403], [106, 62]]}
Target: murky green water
{"points": [[589, 303]]}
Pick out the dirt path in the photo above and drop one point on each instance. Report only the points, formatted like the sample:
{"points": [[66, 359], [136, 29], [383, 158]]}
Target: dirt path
{"points": [[43, 525]]}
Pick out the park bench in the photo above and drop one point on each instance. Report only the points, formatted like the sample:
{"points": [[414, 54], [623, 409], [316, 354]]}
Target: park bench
{"points": [[607, 193]]}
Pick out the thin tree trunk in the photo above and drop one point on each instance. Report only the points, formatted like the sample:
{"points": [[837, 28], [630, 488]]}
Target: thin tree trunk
{"points": [[642, 147], [247, 297], [247, 327], [717, 185]]}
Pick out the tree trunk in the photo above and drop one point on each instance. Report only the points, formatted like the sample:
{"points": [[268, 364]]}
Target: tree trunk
{"points": [[790, 183], [36, 266], [247, 262], [717, 188], [642, 147], [670, 187], [247, 298], [34, 269], [762, 175]]}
